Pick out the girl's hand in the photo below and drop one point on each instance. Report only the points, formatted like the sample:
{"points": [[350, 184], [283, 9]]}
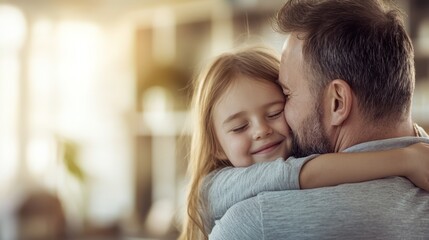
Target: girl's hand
{"points": [[418, 159]]}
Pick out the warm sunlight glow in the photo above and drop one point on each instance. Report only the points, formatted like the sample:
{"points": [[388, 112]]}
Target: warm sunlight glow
{"points": [[40, 156], [78, 57], [12, 34], [41, 76], [12, 27]]}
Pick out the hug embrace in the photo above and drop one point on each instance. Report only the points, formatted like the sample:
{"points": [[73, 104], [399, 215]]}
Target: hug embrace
{"points": [[317, 143]]}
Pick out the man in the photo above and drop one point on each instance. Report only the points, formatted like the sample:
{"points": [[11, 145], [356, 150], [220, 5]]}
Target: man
{"points": [[347, 71]]}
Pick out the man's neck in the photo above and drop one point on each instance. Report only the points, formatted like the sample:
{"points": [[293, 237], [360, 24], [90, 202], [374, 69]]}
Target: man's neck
{"points": [[359, 132]]}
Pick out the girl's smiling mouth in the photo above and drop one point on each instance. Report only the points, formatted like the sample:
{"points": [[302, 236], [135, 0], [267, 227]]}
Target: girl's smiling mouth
{"points": [[267, 148]]}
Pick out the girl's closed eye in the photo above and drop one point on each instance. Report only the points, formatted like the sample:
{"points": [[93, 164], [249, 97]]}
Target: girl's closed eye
{"points": [[275, 114], [239, 128]]}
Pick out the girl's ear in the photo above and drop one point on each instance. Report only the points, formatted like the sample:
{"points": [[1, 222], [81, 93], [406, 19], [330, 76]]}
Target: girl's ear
{"points": [[340, 98]]}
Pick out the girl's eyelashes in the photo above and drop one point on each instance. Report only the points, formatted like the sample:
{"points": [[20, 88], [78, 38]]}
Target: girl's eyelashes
{"points": [[270, 116], [239, 129], [275, 115]]}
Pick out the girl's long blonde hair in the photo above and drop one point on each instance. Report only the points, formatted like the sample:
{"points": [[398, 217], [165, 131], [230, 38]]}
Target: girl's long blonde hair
{"points": [[255, 62]]}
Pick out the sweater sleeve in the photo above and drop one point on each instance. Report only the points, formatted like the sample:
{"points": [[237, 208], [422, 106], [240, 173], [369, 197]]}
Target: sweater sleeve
{"points": [[248, 227], [230, 185]]}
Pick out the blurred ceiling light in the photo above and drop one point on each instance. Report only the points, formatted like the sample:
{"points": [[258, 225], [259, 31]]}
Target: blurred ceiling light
{"points": [[13, 27], [157, 106], [156, 99]]}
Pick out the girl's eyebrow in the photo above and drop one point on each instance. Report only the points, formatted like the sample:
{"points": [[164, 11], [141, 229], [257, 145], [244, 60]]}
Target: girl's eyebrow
{"points": [[232, 117]]}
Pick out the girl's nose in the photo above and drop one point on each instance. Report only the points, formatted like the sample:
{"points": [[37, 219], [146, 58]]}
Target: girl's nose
{"points": [[262, 130]]}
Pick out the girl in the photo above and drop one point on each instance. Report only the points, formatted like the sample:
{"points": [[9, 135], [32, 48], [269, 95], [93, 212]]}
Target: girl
{"points": [[239, 121]]}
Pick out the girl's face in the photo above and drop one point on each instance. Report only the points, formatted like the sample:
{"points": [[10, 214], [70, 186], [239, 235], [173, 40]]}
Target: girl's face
{"points": [[249, 122]]}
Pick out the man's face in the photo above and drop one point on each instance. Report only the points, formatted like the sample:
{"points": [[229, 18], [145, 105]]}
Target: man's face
{"points": [[303, 109]]}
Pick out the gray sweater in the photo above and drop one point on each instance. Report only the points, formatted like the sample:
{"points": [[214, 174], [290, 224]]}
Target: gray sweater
{"points": [[230, 185], [390, 208]]}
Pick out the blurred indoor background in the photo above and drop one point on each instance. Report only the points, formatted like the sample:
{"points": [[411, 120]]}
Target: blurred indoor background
{"points": [[94, 96]]}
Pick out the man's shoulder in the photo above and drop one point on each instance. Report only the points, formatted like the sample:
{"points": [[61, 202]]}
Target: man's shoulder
{"points": [[386, 144], [346, 198], [338, 211], [394, 204], [249, 225], [250, 209]]}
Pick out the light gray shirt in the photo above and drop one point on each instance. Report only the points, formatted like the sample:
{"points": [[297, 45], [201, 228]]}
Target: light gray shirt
{"points": [[225, 187], [390, 208]]}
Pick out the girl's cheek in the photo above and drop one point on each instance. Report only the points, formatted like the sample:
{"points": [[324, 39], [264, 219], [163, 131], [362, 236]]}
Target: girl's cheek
{"points": [[237, 143], [282, 127]]}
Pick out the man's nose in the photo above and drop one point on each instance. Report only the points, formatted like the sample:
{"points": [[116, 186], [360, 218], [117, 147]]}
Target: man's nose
{"points": [[262, 130]]}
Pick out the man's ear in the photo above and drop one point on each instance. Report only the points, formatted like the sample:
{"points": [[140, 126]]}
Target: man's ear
{"points": [[340, 99]]}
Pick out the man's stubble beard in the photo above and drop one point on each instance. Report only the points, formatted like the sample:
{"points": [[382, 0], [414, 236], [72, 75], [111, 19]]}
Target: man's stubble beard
{"points": [[312, 137]]}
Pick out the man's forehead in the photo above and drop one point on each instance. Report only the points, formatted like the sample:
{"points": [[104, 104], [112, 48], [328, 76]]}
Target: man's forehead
{"points": [[292, 44], [283, 60], [291, 48], [285, 42], [291, 59]]}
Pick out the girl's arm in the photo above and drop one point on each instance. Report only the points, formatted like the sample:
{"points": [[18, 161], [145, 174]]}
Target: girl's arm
{"points": [[228, 186], [337, 168]]}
